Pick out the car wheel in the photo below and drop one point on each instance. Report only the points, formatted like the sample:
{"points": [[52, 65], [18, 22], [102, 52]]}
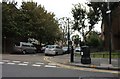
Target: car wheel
{"points": [[46, 54], [24, 52], [34, 52], [56, 53]]}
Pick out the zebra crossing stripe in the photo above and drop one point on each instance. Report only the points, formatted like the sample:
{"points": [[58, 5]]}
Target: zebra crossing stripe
{"points": [[16, 61], [5, 60], [1, 62], [39, 63], [50, 66], [51, 63], [11, 63], [36, 65], [23, 64]]}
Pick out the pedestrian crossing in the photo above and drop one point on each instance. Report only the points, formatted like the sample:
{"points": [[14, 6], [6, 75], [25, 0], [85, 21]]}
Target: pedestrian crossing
{"points": [[25, 63]]}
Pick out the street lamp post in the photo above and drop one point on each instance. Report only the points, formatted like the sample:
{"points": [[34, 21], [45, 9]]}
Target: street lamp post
{"points": [[69, 42], [68, 38], [110, 32]]}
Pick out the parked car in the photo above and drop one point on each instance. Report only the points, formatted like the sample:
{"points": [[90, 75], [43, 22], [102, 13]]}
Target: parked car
{"points": [[53, 50], [24, 47], [43, 49], [78, 49], [65, 49]]}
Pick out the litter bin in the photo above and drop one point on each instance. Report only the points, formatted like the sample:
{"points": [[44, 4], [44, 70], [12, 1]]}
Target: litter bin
{"points": [[85, 57]]}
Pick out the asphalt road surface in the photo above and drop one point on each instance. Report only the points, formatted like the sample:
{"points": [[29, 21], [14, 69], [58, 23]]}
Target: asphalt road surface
{"points": [[34, 67], [11, 70]]}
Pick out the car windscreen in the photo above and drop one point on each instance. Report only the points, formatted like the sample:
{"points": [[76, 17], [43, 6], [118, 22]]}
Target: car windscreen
{"points": [[50, 46]]}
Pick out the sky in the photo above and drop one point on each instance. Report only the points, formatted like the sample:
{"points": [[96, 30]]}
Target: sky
{"points": [[61, 8]]}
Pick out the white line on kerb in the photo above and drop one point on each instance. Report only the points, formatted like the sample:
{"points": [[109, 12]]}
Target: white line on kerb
{"points": [[49, 66], [36, 65], [23, 64]]}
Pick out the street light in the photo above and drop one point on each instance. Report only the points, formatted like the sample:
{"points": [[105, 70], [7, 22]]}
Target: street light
{"points": [[110, 31], [68, 37]]}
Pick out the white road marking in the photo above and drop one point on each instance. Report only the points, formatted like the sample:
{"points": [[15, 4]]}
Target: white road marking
{"points": [[16, 61], [39, 63], [1, 62], [5, 60], [36, 65], [50, 66], [23, 64], [11, 63]]}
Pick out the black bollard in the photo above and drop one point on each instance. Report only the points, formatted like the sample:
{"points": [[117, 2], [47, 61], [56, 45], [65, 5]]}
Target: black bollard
{"points": [[72, 54]]}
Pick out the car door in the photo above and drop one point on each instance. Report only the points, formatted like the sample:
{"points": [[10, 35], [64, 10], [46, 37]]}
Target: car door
{"points": [[59, 50]]}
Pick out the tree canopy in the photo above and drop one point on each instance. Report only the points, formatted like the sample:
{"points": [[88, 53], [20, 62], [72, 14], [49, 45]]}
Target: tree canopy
{"points": [[84, 19], [30, 20]]}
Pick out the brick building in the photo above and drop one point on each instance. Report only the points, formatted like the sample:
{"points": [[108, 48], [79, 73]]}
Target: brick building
{"points": [[115, 24]]}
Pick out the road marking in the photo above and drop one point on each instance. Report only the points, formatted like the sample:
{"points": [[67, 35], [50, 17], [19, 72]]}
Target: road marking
{"points": [[23, 64], [50, 66], [36, 65], [16, 61], [39, 63], [11, 63], [1, 62], [5, 60]]}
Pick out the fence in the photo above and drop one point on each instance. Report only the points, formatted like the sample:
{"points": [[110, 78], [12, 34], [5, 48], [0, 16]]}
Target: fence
{"points": [[99, 55]]}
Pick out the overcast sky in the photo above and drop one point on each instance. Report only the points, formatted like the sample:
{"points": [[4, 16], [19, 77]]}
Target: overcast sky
{"points": [[61, 8]]}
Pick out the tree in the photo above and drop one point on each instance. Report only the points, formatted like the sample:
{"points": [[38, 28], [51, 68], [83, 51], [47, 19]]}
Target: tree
{"points": [[93, 39], [9, 14], [39, 23], [29, 21], [76, 39], [101, 8], [83, 19]]}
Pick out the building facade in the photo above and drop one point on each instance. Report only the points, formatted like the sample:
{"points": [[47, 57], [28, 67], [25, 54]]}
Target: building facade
{"points": [[115, 25]]}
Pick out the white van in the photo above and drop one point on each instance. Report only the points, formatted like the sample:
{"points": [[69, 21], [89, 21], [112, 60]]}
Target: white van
{"points": [[24, 47]]}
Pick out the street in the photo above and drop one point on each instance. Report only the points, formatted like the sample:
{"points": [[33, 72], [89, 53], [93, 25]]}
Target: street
{"points": [[30, 71], [34, 65]]}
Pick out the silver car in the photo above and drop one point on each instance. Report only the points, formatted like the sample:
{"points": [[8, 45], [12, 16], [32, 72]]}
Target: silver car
{"points": [[53, 50], [24, 48]]}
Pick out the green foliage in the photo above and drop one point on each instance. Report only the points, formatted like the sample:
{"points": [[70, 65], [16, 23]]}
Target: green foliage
{"points": [[30, 20], [76, 39], [84, 19], [9, 14], [100, 9], [93, 39]]}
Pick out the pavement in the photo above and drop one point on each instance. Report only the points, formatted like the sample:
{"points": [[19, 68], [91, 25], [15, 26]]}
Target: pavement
{"points": [[97, 63]]}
